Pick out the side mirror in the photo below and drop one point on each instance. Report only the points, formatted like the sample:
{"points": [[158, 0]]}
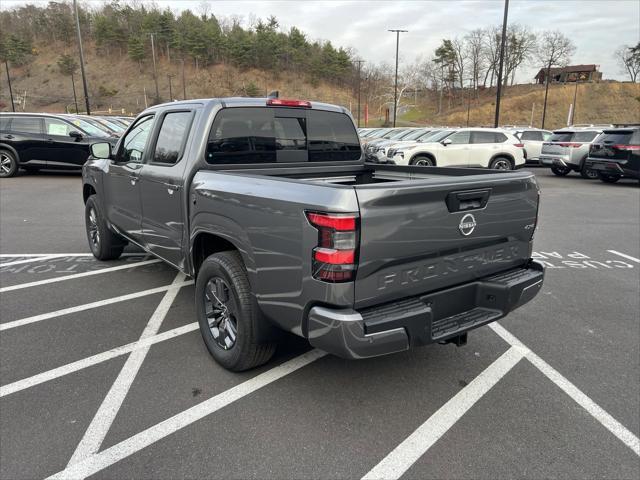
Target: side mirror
{"points": [[446, 141], [101, 150], [75, 135]]}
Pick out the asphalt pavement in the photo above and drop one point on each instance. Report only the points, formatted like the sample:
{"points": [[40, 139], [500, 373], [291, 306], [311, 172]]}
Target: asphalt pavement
{"points": [[103, 373]]}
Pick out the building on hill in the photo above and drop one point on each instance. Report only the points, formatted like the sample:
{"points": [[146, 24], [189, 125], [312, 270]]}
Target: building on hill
{"points": [[572, 73]]}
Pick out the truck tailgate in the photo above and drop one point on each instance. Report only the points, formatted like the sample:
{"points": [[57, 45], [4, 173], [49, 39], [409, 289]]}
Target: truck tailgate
{"points": [[423, 235]]}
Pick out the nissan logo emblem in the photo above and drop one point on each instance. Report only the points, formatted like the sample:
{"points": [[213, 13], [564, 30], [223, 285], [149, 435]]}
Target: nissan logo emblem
{"points": [[467, 225]]}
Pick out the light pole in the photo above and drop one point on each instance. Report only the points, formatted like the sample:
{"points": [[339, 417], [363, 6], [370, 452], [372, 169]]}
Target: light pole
{"points": [[395, 90], [469, 102], [84, 76], [155, 71], [503, 41], [13, 106], [184, 85], [359, 62]]}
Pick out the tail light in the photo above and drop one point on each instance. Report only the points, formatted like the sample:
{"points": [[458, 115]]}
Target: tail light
{"points": [[281, 102], [574, 145], [335, 256], [519, 145], [626, 147]]}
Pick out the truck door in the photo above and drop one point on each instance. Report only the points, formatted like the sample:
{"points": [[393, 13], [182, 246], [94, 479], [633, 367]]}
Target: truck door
{"points": [[162, 186], [122, 190]]}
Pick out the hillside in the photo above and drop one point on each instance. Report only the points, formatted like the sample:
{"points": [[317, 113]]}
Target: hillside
{"points": [[606, 102], [118, 82]]}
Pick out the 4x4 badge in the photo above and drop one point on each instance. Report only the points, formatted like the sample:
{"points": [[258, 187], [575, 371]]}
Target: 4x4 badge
{"points": [[467, 224]]}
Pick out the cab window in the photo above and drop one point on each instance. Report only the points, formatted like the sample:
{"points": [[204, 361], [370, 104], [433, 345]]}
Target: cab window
{"points": [[135, 141], [172, 137]]}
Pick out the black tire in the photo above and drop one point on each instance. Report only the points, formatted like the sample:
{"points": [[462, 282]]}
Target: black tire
{"points": [[607, 178], [104, 243], [226, 309], [587, 172], [423, 161], [8, 164], [560, 171], [501, 163]]}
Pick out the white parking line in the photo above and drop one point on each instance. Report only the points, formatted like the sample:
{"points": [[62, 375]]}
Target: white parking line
{"points": [[78, 275], [35, 255], [101, 422], [99, 461], [624, 255], [597, 412], [30, 260], [93, 360], [89, 306], [401, 458]]}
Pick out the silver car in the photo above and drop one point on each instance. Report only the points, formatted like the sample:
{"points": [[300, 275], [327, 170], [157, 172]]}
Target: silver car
{"points": [[567, 151]]}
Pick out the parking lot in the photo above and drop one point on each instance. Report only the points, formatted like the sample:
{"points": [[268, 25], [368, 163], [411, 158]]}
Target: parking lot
{"points": [[104, 374]]}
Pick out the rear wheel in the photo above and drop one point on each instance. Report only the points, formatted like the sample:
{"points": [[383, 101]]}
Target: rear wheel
{"points": [[228, 314], [423, 162], [501, 163], [607, 178], [8, 164], [104, 244], [560, 171], [587, 173]]}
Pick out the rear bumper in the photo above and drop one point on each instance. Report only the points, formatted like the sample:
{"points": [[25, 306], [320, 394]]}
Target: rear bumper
{"points": [[425, 319], [610, 167], [557, 160]]}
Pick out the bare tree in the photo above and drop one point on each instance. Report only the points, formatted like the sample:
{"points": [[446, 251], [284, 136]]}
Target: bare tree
{"points": [[554, 50], [460, 59], [521, 45], [475, 41], [629, 60], [492, 36]]}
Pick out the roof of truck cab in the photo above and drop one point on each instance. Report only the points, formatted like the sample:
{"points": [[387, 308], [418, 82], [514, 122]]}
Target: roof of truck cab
{"points": [[242, 102]]}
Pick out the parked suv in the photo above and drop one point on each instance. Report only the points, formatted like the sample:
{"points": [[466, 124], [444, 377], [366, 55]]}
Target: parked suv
{"points": [[567, 151], [616, 154], [33, 141], [532, 139], [465, 147]]}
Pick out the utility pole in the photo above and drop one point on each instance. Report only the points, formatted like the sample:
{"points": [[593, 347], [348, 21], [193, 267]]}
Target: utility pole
{"points": [[469, 102], [503, 42], [395, 90], [169, 75], [155, 71], [75, 99], [575, 97], [546, 93], [84, 76], [13, 106], [359, 62], [184, 84], [533, 108]]}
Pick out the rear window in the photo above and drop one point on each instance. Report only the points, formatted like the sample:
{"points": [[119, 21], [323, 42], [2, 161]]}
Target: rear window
{"points": [[584, 136], [26, 124], [616, 138], [531, 135], [561, 136], [247, 135]]}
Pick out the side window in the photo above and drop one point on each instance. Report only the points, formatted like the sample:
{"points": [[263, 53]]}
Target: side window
{"points": [[499, 137], [484, 137], [172, 137], [133, 144], [26, 125], [53, 126], [546, 136], [460, 137]]}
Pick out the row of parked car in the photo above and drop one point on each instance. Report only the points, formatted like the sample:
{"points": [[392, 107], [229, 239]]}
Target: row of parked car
{"points": [[594, 151], [35, 141]]}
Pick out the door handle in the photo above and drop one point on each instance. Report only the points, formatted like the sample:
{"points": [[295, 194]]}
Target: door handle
{"points": [[134, 179], [50, 140], [171, 188], [8, 137]]}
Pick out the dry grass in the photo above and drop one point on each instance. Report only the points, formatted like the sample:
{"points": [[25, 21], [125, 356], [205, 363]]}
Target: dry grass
{"points": [[47, 90]]}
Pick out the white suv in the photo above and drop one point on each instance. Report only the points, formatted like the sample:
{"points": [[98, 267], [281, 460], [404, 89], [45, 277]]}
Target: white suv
{"points": [[465, 147]]}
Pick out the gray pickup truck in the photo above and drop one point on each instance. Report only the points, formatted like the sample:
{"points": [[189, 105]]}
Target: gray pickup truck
{"points": [[269, 205]]}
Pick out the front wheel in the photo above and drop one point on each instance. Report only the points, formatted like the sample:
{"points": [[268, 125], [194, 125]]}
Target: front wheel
{"points": [[104, 244], [560, 171], [228, 314], [501, 163], [423, 162], [8, 164], [607, 178]]}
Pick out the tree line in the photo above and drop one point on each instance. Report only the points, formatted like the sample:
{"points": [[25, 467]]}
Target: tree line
{"points": [[124, 28]]}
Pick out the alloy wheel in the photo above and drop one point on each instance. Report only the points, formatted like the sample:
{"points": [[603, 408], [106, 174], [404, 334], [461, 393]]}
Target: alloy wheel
{"points": [[5, 164], [221, 314], [502, 165], [94, 232]]}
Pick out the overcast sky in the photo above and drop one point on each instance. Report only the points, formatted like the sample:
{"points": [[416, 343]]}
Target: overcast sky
{"points": [[597, 27]]}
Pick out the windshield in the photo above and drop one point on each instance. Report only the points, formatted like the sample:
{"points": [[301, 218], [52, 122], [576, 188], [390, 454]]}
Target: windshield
{"points": [[416, 134], [392, 133], [620, 137], [400, 135], [112, 125], [438, 136], [89, 128]]}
